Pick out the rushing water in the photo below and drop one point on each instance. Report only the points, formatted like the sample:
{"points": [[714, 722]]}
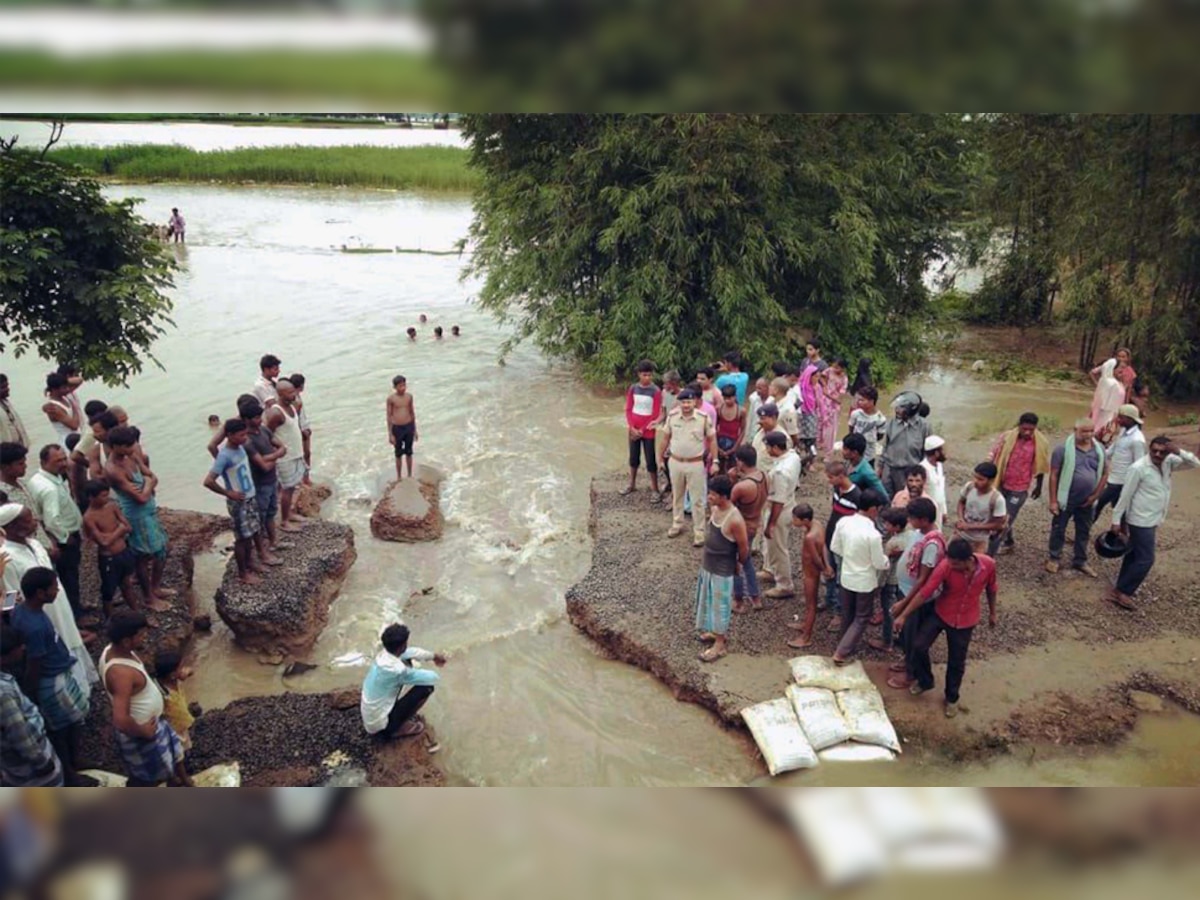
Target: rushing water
{"points": [[526, 700]]}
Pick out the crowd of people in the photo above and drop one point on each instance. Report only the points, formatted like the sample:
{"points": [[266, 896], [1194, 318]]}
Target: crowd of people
{"points": [[892, 552], [95, 484]]}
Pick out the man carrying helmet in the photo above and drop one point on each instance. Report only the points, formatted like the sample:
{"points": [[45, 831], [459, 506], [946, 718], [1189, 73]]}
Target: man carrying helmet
{"points": [[904, 441]]}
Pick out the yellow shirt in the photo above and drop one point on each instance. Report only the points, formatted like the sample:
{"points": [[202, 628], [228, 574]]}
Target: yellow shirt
{"points": [[175, 711]]}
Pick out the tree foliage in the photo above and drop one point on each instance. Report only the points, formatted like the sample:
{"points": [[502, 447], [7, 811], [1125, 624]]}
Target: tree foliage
{"points": [[606, 239], [1103, 210], [80, 279]]}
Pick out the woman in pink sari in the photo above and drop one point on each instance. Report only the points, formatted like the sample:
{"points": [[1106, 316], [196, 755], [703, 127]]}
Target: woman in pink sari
{"points": [[1109, 396], [832, 387]]}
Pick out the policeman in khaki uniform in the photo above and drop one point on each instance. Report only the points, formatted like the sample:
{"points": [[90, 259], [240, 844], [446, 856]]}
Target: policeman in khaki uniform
{"points": [[689, 435]]}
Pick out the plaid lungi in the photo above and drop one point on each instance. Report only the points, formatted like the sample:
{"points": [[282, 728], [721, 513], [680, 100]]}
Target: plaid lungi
{"points": [[151, 760], [62, 701], [714, 602]]}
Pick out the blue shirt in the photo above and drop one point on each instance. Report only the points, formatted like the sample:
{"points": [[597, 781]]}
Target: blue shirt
{"points": [[41, 640], [233, 465], [864, 477], [740, 382]]}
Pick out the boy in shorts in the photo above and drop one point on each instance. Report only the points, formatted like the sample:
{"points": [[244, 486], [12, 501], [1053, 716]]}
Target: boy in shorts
{"points": [[104, 523], [402, 423], [232, 465]]}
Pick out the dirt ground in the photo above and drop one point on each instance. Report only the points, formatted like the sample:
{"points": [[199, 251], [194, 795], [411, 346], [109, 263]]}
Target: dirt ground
{"points": [[1057, 671]]}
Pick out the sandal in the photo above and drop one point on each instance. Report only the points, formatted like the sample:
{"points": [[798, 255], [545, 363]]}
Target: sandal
{"points": [[625, 491], [712, 654], [706, 637], [900, 684], [411, 729], [897, 667], [841, 662], [800, 643], [1120, 600]]}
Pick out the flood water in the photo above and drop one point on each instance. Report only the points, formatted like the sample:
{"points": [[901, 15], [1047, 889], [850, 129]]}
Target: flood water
{"points": [[525, 699]]}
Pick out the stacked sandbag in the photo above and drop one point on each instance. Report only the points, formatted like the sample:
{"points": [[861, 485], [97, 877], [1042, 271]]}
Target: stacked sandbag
{"points": [[779, 736], [830, 713]]}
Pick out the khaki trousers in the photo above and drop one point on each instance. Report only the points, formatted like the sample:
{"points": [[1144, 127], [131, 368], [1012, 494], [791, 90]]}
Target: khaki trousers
{"points": [[688, 477], [777, 552]]}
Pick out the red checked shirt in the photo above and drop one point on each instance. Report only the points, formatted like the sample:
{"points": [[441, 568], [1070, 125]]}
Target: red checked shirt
{"points": [[958, 606]]}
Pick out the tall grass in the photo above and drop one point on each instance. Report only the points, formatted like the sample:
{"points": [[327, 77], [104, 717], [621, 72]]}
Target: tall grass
{"points": [[418, 168], [396, 79]]}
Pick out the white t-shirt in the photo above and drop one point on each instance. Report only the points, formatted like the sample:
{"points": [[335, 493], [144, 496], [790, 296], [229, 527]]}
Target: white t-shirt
{"points": [[980, 509]]}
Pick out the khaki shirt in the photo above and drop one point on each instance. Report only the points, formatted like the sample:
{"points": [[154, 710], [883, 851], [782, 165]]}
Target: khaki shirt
{"points": [[689, 437], [765, 462]]}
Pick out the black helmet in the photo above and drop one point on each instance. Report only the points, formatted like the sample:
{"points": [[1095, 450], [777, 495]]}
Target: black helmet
{"points": [[1110, 545], [909, 401]]}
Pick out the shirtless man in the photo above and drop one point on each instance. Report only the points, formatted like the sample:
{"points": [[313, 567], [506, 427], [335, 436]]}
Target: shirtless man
{"points": [[814, 562], [104, 523], [401, 423], [749, 496], [134, 484]]}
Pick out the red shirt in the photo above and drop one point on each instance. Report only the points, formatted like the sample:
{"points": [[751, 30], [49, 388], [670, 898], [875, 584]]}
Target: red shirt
{"points": [[958, 606], [1018, 474]]}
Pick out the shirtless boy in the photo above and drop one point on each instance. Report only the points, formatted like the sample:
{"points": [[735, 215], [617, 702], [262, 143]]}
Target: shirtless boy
{"points": [[104, 523], [814, 563], [749, 497], [402, 423]]}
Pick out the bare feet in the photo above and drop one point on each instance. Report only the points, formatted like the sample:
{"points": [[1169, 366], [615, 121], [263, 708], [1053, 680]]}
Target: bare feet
{"points": [[165, 593], [291, 529], [157, 605], [805, 640], [272, 560], [707, 637], [249, 578]]}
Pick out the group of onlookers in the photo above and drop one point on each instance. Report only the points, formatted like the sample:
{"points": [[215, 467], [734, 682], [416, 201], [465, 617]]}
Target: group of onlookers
{"points": [[732, 455]]}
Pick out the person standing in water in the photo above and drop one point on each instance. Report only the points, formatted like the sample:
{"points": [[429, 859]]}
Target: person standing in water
{"points": [[437, 332], [412, 333], [176, 225], [401, 423]]}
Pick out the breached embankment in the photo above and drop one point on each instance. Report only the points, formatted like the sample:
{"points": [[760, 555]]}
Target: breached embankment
{"points": [[1058, 670], [289, 739]]}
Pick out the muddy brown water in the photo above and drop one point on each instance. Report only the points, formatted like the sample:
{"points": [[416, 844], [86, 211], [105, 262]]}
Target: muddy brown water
{"points": [[525, 699]]}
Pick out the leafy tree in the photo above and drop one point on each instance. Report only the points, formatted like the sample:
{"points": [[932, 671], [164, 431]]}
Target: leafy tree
{"points": [[81, 281], [606, 239]]}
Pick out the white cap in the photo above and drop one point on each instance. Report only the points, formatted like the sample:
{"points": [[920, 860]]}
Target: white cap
{"points": [[933, 442]]}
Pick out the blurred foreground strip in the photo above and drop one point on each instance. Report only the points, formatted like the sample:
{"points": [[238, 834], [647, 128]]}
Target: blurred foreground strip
{"points": [[855, 834], [314, 60]]}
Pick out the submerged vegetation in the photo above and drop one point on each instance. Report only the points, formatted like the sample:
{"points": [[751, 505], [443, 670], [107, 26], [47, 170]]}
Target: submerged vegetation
{"points": [[425, 168]]}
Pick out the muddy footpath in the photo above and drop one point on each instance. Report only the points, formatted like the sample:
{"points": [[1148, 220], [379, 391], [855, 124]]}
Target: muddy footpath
{"points": [[1065, 671]]}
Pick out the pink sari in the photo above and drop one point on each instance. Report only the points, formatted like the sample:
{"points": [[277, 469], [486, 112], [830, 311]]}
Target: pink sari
{"points": [[830, 397]]}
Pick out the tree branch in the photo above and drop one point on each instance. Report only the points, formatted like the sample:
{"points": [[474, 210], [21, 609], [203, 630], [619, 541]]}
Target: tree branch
{"points": [[56, 130]]}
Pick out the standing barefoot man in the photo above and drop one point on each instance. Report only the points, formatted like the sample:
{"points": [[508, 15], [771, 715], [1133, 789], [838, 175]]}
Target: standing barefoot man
{"points": [[402, 423], [283, 419]]}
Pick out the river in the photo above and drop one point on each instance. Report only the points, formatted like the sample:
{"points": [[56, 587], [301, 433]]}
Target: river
{"points": [[526, 700]]}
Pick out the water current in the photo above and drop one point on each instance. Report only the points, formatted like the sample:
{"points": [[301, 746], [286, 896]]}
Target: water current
{"points": [[526, 700]]}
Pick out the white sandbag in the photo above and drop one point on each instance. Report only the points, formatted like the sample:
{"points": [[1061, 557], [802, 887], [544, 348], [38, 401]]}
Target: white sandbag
{"points": [[867, 718], [844, 846], [823, 672], [105, 779], [779, 736], [852, 752], [819, 716], [224, 775]]}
